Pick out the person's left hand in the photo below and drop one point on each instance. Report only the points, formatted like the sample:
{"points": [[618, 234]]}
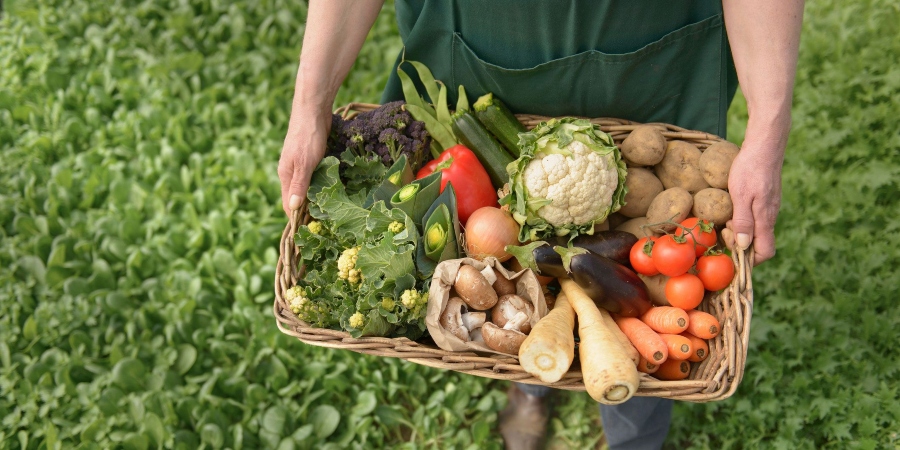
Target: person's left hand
{"points": [[755, 187]]}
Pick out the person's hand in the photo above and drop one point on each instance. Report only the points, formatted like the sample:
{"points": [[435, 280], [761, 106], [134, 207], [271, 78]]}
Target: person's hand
{"points": [[755, 187], [331, 41], [303, 149]]}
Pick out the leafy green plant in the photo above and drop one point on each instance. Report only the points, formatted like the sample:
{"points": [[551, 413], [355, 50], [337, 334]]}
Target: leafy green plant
{"points": [[139, 226]]}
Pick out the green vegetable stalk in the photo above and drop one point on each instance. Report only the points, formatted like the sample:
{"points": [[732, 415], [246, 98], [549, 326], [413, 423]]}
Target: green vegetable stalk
{"points": [[398, 175], [440, 237], [417, 197]]}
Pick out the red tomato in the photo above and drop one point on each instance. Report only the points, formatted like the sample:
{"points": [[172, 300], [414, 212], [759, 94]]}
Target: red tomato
{"points": [[715, 271], [701, 233], [685, 291], [672, 258], [640, 257]]}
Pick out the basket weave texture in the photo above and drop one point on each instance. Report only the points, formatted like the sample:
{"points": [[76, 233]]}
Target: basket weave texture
{"points": [[716, 378]]}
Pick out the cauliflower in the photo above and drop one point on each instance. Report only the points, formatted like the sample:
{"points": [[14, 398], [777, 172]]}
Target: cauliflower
{"points": [[347, 265], [570, 175]]}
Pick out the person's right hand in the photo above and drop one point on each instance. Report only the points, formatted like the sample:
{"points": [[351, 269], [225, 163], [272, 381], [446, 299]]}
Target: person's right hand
{"points": [[303, 149]]}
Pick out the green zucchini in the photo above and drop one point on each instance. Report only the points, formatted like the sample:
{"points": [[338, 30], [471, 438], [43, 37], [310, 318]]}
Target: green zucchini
{"points": [[477, 138], [500, 121]]}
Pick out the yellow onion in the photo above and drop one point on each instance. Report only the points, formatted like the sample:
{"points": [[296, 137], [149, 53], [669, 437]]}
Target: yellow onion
{"points": [[488, 231]]}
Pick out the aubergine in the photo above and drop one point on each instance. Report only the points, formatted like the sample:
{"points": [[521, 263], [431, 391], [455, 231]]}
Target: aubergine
{"points": [[609, 284], [613, 244], [540, 257]]}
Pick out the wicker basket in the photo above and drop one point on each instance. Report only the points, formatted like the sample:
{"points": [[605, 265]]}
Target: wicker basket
{"points": [[716, 378]]}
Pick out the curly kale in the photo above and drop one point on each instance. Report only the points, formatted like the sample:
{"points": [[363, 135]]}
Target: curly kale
{"points": [[386, 132]]}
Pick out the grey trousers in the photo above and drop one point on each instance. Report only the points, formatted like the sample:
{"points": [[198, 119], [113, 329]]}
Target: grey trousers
{"points": [[641, 423]]}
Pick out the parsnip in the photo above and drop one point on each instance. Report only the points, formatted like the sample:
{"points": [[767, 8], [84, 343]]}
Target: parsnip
{"points": [[626, 344], [549, 349], [610, 376]]}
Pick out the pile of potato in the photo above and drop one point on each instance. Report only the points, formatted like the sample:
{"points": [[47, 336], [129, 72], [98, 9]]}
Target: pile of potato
{"points": [[673, 181]]}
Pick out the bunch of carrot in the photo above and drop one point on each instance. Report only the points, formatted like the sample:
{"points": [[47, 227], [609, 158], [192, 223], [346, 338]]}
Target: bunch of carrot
{"points": [[613, 349], [669, 338]]}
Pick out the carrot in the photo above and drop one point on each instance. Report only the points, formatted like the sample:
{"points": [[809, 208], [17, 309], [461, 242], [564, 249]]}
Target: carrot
{"points": [[666, 319], [673, 369], [703, 325], [700, 349], [645, 340], [679, 346], [626, 344], [549, 349], [610, 377], [647, 366]]}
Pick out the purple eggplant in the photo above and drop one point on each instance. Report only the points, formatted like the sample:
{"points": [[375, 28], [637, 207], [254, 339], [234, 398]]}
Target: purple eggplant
{"points": [[611, 285], [613, 244]]}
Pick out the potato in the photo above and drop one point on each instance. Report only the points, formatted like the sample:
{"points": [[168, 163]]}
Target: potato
{"points": [[601, 226], [633, 226], [642, 188], [615, 219], [715, 163], [673, 204], [713, 205], [656, 288], [680, 167], [645, 146]]}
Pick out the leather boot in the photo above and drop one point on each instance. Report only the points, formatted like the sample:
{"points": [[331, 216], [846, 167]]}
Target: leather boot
{"points": [[523, 423]]}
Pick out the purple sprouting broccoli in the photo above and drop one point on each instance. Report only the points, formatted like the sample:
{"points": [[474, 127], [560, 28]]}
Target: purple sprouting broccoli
{"points": [[387, 132], [335, 145]]}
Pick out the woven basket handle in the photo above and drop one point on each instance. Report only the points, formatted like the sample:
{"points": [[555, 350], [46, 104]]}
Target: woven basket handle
{"points": [[290, 253]]}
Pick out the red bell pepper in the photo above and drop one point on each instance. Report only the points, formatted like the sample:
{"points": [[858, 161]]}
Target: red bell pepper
{"points": [[458, 165]]}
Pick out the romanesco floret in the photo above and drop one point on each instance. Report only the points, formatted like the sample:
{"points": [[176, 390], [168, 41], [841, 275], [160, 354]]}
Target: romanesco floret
{"points": [[300, 305], [347, 265], [293, 293], [395, 227], [303, 307], [356, 320], [354, 276], [387, 303], [315, 227], [410, 298]]}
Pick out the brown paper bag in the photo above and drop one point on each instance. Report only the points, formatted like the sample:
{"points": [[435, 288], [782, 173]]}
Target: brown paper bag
{"points": [[527, 287]]}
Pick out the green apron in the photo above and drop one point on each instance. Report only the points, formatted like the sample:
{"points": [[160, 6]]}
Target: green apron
{"points": [[593, 58]]}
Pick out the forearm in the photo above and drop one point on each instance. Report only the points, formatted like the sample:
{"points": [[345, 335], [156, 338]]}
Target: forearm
{"points": [[335, 32], [765, 37]]}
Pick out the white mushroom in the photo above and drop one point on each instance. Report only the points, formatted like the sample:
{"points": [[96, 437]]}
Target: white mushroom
{"points": [[473, 320], [502, 340], [508, 307], [474, 288], [457, 319]]}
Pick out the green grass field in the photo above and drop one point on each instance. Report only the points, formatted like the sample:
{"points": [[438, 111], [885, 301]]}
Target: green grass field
{"points": [[140, 217]]}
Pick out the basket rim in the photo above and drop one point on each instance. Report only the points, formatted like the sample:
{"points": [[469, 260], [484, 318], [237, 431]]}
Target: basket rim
{"points": [[716, 378]]}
